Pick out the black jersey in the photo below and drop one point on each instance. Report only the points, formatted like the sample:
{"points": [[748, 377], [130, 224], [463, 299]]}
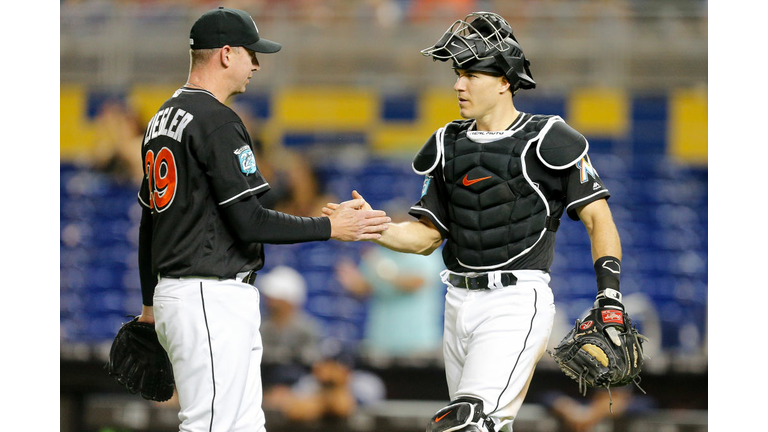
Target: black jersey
{"points": [[495, 200], [198, 157]]}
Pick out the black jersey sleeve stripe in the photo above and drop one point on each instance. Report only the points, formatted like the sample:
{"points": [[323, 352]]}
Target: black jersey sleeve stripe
{"points": [[248, 191], [571, 208], [431, 216]]}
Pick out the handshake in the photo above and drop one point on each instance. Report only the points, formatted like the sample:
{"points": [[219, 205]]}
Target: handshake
{"points": [[355, 220]]}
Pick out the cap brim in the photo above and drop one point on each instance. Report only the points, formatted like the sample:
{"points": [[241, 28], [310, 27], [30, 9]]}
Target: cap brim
{"points": [[264, 46]]}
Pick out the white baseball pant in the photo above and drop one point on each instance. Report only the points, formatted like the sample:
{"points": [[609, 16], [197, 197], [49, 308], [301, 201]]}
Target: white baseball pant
{"points": [[494, 338], [210, 329]]}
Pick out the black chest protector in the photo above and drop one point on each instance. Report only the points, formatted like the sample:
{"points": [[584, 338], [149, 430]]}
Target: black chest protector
{"points": [[496, 211]]}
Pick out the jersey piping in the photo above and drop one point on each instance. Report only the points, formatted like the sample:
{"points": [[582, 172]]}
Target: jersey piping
{"points": [[243, 193], [434, 216], [587, 198], [525, 345], [192, 90]]}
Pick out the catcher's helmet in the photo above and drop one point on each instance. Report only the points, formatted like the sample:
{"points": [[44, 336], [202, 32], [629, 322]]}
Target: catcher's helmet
{"points": [[484, 44]]}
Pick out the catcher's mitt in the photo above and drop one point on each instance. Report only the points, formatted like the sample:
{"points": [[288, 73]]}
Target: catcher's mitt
{"points": [[139, 362], [602, 350]]}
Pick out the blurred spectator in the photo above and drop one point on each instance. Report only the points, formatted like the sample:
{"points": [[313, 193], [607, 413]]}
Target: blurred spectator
{"points": [[421, 10], [385, 13], [119, 135], [302, 191], [301, 380], [294, 186], [290, 336], [405, 300], [333, 390], [577, 416]]}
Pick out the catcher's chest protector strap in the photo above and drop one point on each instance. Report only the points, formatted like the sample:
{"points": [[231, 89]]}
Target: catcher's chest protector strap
{"points": [[464, 414]]}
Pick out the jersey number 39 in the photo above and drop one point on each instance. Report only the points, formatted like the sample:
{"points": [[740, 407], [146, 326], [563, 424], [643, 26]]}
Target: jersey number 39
{"points": [[161, 176]]}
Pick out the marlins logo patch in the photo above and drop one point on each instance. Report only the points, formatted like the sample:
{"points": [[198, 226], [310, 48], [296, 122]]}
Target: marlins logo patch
{"points": [[246, 159], [425, 185], [586, 169]]}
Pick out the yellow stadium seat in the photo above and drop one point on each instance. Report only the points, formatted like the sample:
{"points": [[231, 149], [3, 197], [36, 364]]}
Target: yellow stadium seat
{"points": [[325, 109], [438, 106], [598, 111], [146, 99], [76, 137], [688, 125]]}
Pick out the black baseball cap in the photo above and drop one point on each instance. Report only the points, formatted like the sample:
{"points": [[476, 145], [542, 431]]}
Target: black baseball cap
{"points": [[233, 27]]}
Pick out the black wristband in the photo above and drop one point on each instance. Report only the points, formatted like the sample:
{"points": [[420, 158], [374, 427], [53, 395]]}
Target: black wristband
{"points": [[608, 272]]}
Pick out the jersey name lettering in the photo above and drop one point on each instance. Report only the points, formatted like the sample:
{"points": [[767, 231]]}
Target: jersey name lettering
{"points": [[168, 122]]}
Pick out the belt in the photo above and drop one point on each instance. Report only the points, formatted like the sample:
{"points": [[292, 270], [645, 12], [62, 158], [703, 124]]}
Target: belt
{"points": [[249, 277], [480, 282], [246, 277]]}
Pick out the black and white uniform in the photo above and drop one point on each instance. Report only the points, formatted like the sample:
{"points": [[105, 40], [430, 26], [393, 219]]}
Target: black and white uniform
{"points": [[200, 243], [497, 198]]}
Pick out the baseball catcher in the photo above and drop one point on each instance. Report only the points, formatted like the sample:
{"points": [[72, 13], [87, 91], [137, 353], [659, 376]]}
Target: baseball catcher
{"points": [[139, 362], [604, 349]]}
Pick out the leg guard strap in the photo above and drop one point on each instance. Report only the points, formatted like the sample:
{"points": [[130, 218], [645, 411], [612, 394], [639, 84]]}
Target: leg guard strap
{"points": [[464, 414]]}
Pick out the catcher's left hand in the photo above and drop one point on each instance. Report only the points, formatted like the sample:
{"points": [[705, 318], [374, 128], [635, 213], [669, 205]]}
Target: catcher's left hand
{"points": [[602, 350], [139, 362]]}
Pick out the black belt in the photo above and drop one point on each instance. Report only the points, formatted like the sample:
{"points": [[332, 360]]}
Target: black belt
{"points": [[250, 278], [479, 282]]}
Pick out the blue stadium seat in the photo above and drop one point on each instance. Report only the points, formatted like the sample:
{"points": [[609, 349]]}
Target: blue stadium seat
{"points": [[679, 239], [346, 332], [102, 301], [660, 209]]}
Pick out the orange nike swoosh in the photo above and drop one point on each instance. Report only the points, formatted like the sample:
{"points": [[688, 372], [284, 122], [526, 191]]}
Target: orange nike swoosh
{"points": [[441, 417], [468, 182]]}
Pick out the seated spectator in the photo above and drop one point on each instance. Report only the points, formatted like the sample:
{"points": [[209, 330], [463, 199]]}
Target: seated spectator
{"points": [[333, 390], [404, 321], [118, 138], [290, 336]]}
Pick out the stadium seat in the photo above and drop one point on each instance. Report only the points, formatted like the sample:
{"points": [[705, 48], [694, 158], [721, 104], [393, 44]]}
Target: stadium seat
{"points": [[660, 209]]}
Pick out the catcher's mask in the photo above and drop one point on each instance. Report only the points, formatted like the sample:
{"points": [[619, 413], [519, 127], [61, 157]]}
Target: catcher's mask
{"points": [[484, 44]]}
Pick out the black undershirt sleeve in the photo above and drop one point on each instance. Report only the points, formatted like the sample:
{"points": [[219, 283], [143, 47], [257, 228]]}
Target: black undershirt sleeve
{"points": [[253, 223], [146, 277]]}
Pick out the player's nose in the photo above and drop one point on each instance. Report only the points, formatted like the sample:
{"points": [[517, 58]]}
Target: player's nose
{"points": [[459, 85]]}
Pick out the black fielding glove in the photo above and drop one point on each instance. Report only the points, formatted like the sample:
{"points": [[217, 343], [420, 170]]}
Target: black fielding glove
{"points": [[604, 349], [139, 362]]}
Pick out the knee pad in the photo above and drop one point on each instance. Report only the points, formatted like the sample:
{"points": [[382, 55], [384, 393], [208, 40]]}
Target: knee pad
{"points": [[464, 414]]}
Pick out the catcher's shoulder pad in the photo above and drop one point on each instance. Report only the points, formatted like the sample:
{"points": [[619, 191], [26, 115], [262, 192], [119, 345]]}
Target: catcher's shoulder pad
{"points": [[560, 146], [427, 159]]}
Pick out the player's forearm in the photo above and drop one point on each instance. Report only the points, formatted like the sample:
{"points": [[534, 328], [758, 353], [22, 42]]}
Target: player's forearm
{"points": [[605, 240], [253, 223], [147, 314], [147, 279], [410, 237], [603, 235]]}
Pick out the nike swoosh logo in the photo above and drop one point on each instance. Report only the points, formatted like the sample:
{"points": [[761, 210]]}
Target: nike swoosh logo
{"points": [[468, 182], [441, 417]]}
